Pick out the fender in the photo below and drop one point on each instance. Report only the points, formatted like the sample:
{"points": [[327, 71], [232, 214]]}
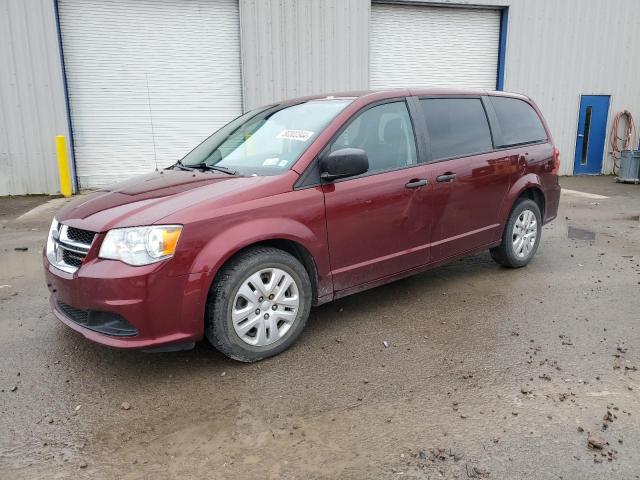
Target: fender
{"points": [[231, 240], [525, 182]]}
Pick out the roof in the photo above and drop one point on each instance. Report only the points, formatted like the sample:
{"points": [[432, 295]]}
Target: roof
{"points": [[381, 94]]}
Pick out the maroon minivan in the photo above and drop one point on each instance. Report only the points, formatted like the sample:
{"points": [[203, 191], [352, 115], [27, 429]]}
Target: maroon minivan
{"points": [[297, 204]]}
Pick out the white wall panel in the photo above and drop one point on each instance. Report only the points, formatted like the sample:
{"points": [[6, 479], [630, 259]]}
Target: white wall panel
{"points": [[427, 46], [148, 80], [292, 48], [559, 50], [32, 104], [556, 51]]}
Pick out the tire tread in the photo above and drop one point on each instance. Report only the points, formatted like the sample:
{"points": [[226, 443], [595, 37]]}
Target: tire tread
{"points": [[220, 292], [503, 254]]}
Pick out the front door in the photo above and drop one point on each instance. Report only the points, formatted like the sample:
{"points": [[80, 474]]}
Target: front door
{"points": [[592, 130], [378, 223]]}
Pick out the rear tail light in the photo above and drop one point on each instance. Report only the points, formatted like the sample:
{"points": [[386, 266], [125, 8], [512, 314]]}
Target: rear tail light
{"points": [[556, 161]]}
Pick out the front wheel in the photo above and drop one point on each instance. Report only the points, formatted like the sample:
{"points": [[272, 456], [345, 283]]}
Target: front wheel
{"points": [[521, 235], [258, 304]]}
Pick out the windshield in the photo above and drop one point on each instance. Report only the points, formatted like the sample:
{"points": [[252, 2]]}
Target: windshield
{"points": [[266, 141]]}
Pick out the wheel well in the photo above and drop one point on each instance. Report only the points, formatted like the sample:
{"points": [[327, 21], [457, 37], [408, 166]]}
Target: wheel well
{"points": [[537, 196], [299, 252]]}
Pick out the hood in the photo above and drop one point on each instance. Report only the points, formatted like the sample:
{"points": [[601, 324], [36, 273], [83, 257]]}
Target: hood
{"points": [[146, 199]]}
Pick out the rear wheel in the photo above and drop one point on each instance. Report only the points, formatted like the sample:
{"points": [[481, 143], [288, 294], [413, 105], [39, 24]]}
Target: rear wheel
{"points": [[521, 235], [258, 304]]}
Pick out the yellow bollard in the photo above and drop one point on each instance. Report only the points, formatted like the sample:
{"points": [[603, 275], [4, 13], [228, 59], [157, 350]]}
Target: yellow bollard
{"points": [[63, 166]]}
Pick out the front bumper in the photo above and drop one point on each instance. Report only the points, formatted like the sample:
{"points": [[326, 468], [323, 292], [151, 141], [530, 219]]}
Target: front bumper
{"points": [[163, 310]]}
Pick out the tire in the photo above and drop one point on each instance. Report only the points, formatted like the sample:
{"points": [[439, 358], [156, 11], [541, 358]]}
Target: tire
{"points": [[242, 289], [508, 254]]}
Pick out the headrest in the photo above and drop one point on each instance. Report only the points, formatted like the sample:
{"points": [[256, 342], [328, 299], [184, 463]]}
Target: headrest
{"points": [[393, 130]]}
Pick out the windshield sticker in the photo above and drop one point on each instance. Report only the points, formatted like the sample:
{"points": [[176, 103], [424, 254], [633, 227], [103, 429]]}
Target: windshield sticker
{"points": [[270, 162], [299, 135], [283, 163]]}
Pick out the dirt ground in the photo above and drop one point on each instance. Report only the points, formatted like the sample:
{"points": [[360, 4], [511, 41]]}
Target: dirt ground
{"points": [[488, 373]]}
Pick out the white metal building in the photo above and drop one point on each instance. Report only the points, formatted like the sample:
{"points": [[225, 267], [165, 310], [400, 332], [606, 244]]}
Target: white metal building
{"points": [[135, 84]]}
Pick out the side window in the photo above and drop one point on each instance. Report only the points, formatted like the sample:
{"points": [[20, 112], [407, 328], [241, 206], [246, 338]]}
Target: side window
{"points": [[518, 121], [385, 133], [457, 127]]}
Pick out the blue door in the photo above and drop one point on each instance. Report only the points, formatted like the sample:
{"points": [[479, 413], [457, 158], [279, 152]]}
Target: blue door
{"points": [[592, 130]]}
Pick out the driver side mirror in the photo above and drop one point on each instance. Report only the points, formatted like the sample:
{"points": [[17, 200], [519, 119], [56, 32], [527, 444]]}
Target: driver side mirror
{"points": [[346, 162]]}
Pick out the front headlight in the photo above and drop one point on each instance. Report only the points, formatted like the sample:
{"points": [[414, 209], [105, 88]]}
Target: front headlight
{"points": [[141, 245]]}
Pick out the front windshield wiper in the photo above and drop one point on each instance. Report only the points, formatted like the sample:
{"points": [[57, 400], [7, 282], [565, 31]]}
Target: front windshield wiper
{"points": [[217, 168], [181, 166], [206, 166]]}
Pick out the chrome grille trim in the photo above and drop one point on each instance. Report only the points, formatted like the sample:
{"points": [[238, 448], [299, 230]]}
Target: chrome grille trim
{"points": [[77, 250], [72, 247]]}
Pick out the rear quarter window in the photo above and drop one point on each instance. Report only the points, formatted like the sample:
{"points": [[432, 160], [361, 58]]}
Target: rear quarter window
{"points": [[518, 121]]}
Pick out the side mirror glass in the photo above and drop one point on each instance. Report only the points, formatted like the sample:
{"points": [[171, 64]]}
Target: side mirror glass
{"points": [[346, 162]]}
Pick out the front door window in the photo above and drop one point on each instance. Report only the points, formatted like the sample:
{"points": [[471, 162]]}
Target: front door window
{"points": [[385, 132]]}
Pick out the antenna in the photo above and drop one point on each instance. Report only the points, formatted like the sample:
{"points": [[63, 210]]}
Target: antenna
{"points": [[153, 135]]}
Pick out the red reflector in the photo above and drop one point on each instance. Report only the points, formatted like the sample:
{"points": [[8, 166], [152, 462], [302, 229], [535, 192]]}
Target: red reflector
{"points": [[556, 161]]}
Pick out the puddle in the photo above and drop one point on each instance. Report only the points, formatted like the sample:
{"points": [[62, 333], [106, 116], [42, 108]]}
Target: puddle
{"points": [[580, 234]]}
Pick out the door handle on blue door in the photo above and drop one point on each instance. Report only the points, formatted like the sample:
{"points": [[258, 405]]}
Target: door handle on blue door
{"points": [[447, 177], [415, 183]]}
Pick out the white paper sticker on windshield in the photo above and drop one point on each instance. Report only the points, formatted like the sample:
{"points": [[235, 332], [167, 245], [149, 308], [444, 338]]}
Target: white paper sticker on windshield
{"points": [[283, 163], [299, 135], [270, 161]]}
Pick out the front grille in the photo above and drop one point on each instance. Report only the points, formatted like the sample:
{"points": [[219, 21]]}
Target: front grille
{"points": [[72, 258], [80, 236], [71, 246], [107, 323]]}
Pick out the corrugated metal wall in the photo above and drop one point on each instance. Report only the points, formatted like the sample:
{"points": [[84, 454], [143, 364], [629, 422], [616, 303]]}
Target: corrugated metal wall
{"points": [[557, 51], [32, 103], [292, 48], [425, 46], [148, 81]]}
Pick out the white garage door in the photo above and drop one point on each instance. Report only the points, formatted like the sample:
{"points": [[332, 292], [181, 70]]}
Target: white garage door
{"points": [[420, 46], [148, 80]]}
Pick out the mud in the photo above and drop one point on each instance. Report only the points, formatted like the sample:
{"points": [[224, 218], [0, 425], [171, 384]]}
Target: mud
{"points": [[486, 373]]}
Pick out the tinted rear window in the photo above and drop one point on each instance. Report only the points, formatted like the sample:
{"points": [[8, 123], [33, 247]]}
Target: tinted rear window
{"points": [[457, 126], [518, 121]]}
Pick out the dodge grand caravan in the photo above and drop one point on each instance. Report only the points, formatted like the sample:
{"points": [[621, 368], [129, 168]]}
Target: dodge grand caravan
{"points": [[297, 204]]}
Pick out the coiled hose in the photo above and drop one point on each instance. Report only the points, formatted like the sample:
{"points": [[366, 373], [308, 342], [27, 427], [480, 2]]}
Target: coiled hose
{"points": [[625, 142]]}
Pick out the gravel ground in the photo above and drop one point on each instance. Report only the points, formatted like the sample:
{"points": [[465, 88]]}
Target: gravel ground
{"points": [[488, 373]]}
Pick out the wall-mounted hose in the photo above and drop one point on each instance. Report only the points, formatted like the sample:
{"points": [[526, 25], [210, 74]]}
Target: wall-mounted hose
{"points": [[627, 141]]}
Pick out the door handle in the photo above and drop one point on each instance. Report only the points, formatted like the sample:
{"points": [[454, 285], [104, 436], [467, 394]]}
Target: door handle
{"points": [[447, 177], [581, 134], [416, 183]]}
